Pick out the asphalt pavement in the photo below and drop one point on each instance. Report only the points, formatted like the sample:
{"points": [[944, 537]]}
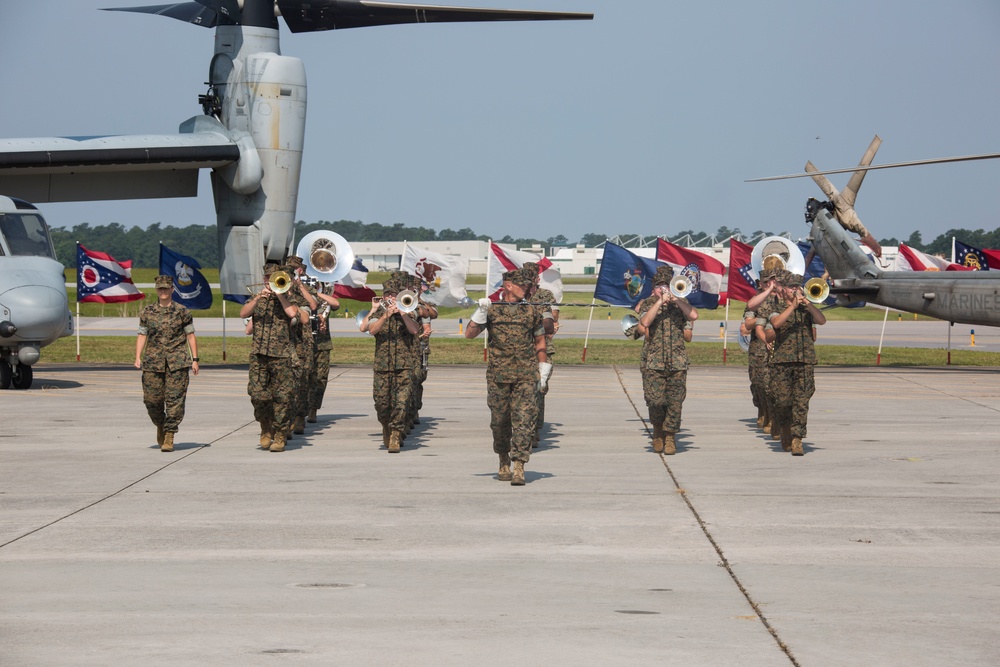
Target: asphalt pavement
{"points": [[878, 547]]}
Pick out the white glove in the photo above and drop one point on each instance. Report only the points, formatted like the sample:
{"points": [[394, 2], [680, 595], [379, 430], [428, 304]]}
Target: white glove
{"points": [[479, 317], [544, 372]]}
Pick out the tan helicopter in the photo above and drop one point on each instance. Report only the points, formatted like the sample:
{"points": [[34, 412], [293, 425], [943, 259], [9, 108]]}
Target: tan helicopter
{"points": [[971, 297]]}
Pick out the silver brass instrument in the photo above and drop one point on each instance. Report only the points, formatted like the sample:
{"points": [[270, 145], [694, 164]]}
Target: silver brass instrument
{"points": [[777, 252], [327, 255], [629, 321], [816, 290], [407, 301], [680, 286], [360, 318]]}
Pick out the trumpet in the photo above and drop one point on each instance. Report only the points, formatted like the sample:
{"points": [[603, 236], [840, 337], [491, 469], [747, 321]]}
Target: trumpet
{"points": [[680, 286], [816, 290], [407, 301]]}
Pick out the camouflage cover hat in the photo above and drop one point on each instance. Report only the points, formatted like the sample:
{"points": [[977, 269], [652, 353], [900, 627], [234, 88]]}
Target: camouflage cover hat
{"points": [[164, 282], [794, 280], [270, 267], [509, 276], [664, 274], [295, 262], [531, 266], [524, 277]]}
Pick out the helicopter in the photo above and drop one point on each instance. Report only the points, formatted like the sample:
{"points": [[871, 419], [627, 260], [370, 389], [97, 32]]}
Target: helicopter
{"points": [[34, 308], [970, 297], [251, 132]]}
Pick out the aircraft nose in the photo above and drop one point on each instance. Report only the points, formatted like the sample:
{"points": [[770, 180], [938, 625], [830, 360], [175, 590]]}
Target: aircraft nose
{"points": [[38, 312]]}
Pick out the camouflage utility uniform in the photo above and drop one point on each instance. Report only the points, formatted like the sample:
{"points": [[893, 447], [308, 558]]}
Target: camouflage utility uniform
{"points": [[543, 295], [664, 365], [792, 362], [303, 367], [392, 388], [321, 364], [512, 378], [272, 383], [758, 369], [165, 362]]}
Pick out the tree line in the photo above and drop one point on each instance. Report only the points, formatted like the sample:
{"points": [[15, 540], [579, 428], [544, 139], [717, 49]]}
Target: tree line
{"points": [[202, 241]]}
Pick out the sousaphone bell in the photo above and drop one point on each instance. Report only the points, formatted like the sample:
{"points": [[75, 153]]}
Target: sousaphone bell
{"points": [[777, 252], [327, 255]]}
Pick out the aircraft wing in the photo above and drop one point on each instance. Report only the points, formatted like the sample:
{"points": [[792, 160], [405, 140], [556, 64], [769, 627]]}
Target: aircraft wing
{"points": [[61, 169]]}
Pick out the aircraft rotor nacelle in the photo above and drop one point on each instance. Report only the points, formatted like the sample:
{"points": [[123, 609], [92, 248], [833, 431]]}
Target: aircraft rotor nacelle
{"points": [[262, 94]]}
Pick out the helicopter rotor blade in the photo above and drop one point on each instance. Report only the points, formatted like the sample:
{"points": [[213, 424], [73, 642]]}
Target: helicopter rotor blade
{"points": [[915, 163]]}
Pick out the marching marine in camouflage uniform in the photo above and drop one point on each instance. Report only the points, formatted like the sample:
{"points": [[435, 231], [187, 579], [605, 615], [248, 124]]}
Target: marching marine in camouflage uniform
{"points": [[395, 349], [324, 345], [550, 319], [792, 361], [425, 314], [517, 369], [166, 329], [303, 367], [664, 359], [758, 366], [271, 385]]}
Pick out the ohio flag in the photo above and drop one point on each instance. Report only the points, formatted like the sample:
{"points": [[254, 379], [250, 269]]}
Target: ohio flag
{"points": [[101, 278]]}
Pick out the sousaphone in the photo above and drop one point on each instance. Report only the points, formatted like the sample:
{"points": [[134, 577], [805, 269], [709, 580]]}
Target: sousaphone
{"points": [[327, 255], [777, 251]]}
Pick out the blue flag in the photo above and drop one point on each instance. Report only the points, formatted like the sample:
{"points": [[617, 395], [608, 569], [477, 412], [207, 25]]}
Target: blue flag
{"points": [[190, 287], [971, 257], [625, 278]]}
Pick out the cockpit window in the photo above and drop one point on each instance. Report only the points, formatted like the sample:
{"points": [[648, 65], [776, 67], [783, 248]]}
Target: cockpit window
{"points": [[26, 235]]}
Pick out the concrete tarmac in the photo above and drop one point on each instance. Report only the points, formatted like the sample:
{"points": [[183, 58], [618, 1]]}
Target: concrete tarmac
{"points": [[880, 546]]}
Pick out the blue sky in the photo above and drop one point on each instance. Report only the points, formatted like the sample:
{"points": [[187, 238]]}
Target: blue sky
{"points": [[646, 120]]}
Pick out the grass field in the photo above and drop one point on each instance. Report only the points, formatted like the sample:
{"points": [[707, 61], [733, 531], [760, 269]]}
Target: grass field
{"points": [[121, 350], [132, 309]]}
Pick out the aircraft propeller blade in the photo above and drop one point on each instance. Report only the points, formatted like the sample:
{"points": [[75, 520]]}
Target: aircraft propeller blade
{"points": [[314, 15], [189, 12]]}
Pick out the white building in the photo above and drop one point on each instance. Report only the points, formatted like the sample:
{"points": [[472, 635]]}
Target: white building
{"points": [[576, 261]]}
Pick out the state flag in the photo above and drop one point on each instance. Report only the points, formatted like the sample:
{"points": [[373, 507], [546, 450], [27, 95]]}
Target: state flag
{"points": [[101, 278], [191, 289], [704, 272]]}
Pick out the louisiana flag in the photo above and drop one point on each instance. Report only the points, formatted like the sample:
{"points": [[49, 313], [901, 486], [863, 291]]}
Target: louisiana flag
{"points": [[101, 278], [625, 278], [704, 272], [974, 258], [191, 290]]}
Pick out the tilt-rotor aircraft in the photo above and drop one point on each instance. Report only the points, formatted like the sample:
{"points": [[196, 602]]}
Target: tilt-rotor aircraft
{"points": [[971, 297], [251, 133]]}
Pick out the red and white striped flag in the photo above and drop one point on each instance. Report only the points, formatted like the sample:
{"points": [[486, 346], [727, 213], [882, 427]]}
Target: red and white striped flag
{"points": [[501, 260]]}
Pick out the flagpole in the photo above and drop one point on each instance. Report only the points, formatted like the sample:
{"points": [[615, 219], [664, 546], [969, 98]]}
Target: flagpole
{"points": [[725, 334], [223, 329], [587, 337], [78, 301], [952, 249], [950, 324], [878, 358]]}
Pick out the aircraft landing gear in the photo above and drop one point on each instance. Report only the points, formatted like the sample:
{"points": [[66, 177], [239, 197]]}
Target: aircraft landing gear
{"points": [[20, 376]]}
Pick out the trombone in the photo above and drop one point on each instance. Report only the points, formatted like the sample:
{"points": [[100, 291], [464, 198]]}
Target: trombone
{"points": [[279, 282], [816, 290]]}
